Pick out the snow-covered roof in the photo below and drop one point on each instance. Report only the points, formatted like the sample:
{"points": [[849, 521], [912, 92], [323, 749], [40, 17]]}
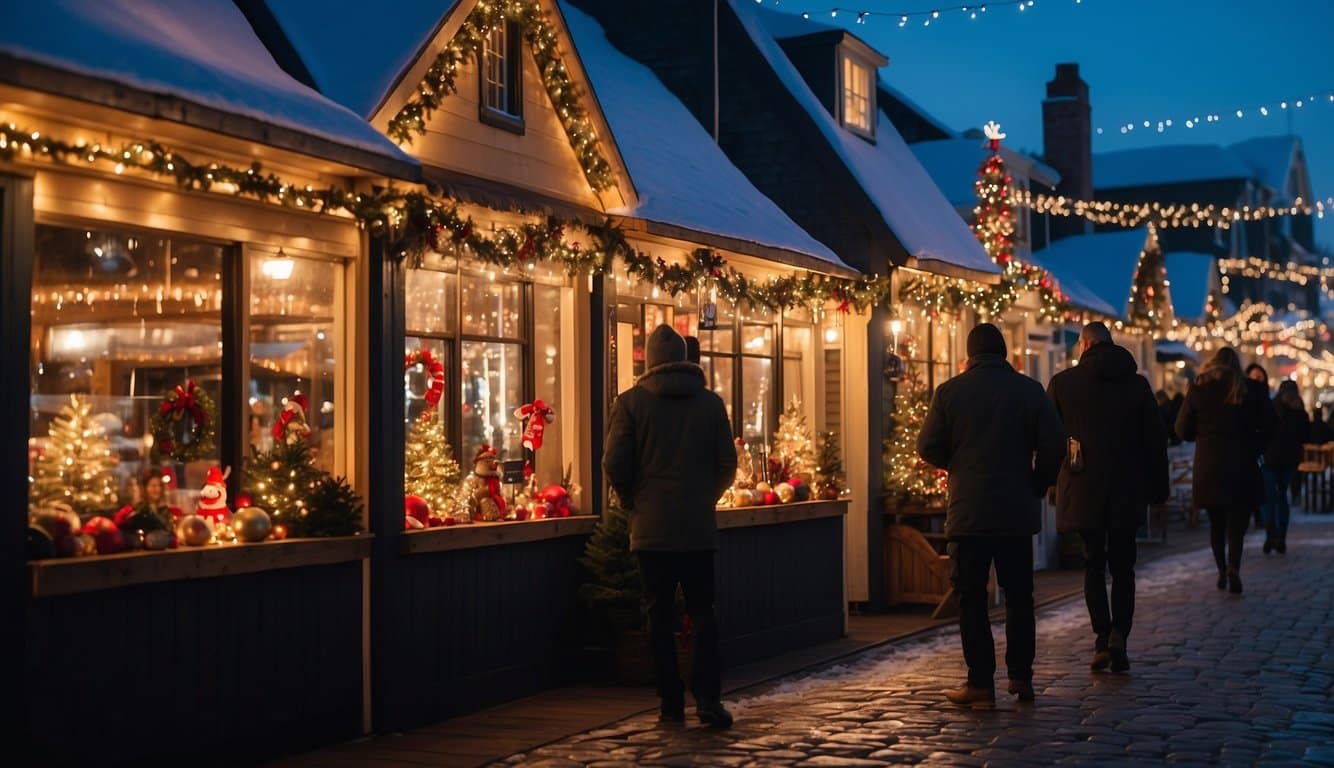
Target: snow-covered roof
{"points": [[953, 165], [1191, 275], [1269, 158], [1175, 164], [1079, 295], [1104, 263], [204, 52], [915, 107], [355, 53], [681, 176], [911, 205]]}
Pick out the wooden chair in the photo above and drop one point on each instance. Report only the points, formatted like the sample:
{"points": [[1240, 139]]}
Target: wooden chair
{"points": [[918, 571], [1312, 470]]}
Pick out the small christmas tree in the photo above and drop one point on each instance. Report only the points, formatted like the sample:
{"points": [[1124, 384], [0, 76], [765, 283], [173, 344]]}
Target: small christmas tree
{"points": [[909, 479], [282, 480], [333, 509], [429, 469], [794, 443], [613, 590], [829, 480], [75, 466]]}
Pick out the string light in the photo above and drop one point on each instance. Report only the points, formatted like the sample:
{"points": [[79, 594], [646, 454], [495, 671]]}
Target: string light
{"points": [[971, 10], [1166, 215], [1311, 99]]}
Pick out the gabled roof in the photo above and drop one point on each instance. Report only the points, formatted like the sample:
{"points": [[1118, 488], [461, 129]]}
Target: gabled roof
{"points": [[917, 109], [953, 165], [911, 205], [1079, 295], [1269, 158], [357, 52], [682, 177], [203, 53], [1104, 263], [1174, 164], [1191, 276]]}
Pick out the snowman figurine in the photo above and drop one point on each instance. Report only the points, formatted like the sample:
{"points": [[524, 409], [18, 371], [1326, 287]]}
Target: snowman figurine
{"points": [[213, 502], [479, 496]]}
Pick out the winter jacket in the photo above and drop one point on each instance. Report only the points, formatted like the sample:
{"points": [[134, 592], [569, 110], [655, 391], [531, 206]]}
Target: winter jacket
{"points": [[1293, 430], [669, 456], [1229, 440], [1320, 432], [1111, 411], [1001, 440]]}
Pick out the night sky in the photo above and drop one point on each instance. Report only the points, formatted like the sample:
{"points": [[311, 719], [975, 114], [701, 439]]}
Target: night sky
{"points": [[1143, 60]]}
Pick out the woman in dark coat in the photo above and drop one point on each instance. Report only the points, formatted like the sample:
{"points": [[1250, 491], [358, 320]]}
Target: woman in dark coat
{"points": [[1230, 420], [1281, 460], [1320, 431]]}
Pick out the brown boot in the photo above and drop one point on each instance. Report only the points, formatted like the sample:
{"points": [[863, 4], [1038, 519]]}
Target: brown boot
{"points": [[1102, 659], [974, 697], [1022, 688]]}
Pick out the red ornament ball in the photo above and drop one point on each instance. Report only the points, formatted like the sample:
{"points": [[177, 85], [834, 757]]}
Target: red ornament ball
{"points": [[417, 508], [770, 497], [412, 524], [107, 537]]}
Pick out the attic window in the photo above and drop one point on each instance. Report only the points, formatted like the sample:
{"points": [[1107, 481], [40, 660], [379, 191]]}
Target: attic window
{"points": [[858, 102], [501, 72]]}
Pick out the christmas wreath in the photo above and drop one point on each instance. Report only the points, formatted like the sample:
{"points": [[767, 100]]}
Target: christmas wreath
{"points": [[189, 402], [435, 369]]}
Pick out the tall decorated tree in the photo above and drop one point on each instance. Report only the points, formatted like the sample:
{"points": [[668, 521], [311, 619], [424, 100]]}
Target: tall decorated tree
{"points": [[1150, 301], [75, 466], [909, 479], [429, 469]]}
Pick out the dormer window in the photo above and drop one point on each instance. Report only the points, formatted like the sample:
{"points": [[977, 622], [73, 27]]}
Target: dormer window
{"points": [[501, 72], [857, 84]]}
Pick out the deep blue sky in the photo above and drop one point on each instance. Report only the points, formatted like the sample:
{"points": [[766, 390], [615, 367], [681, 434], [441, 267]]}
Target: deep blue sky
{"points": [[1142, 59]]}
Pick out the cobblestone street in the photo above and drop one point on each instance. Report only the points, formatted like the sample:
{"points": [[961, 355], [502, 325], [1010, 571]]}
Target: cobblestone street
{"points": [[1215, 679]]}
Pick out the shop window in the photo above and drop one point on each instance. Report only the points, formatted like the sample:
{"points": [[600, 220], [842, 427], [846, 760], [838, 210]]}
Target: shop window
{"points": [[501, 77], [294, 326]]}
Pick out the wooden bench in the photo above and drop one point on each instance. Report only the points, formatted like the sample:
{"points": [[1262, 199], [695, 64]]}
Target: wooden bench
{"points": [[917, 569]]}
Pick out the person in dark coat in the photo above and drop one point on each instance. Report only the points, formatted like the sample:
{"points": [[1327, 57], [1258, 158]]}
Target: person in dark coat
{"points": [[669, 457], [1320, 430], [1281, 460], [1115, 466], [999, 437], [692, 349], [1231, 422]]}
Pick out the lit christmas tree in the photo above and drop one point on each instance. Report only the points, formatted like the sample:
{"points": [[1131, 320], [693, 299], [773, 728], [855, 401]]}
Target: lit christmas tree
{"points": [[429, 469], [613, 590], [794, 444], [909, 479], [75, 466], [829, 478], [282, 480], [1150, 301]]}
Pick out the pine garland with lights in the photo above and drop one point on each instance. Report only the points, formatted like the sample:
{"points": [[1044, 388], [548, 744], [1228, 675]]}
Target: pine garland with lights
{"points": [[565, 94], [282, 481], [794, 443], [909, 479], [75, 466], [429, 469]]}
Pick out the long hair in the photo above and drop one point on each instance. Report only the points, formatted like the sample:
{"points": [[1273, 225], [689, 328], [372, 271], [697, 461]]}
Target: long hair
{"points": [[1289, 395], [1225, 366]]}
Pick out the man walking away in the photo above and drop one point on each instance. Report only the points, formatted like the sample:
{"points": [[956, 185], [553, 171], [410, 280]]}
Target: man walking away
{"points": [[1115, 466], [1281, 459], [1001, 440], [669, 456]]}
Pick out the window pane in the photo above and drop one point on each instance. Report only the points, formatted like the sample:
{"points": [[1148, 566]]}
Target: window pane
{"points": [[431, 304], [417, 380], [121, 320], [292, 348], [757, 398], [492, 379], [550, 459], [799, 367], [757, 339], [718, 373], [492, 308], [494, 70], [721, 339]]}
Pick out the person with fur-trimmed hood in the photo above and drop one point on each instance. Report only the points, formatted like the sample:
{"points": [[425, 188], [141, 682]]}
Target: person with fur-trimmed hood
{"points": [[669, 458]]}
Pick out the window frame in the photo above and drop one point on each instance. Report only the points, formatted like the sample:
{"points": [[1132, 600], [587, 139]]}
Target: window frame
{"points": [[510, 116], [846, 59]]}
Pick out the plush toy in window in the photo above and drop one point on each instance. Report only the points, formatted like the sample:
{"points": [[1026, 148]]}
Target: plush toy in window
{"points": [[534, 417], [479, 496], [213, 502], [290, 427]]}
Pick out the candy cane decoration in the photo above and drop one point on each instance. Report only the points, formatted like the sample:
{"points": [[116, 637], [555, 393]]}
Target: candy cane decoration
{"points": [[436, 370]]}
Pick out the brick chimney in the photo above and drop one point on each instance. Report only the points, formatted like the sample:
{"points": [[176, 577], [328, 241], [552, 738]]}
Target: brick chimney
{"points": [[1067, 142]]}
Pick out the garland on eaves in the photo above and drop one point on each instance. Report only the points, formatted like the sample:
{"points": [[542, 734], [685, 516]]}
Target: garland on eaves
{"points": [[440, 78], [412, 222]]}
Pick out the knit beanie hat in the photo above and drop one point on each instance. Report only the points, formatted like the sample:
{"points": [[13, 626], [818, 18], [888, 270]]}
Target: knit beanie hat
{"points": [[664, 345], [692, 349], [986, 338]]}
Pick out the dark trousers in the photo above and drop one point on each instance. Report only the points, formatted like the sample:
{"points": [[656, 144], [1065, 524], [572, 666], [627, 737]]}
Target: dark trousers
{"points": [[661, 573], [1277, 509], [1113, 551], [1227, 531], [1013, 556]]}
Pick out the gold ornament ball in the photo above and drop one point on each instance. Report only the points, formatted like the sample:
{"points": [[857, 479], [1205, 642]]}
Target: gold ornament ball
{"points": [[157, 540], [757, 497], [763, 487], [251, 524], [786, 493], [87, 545], [193, 531]]}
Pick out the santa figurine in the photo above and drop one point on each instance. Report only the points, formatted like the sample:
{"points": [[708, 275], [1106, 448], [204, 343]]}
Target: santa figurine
{"points": [[213, 500], [479, 495], [290, 427]]}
